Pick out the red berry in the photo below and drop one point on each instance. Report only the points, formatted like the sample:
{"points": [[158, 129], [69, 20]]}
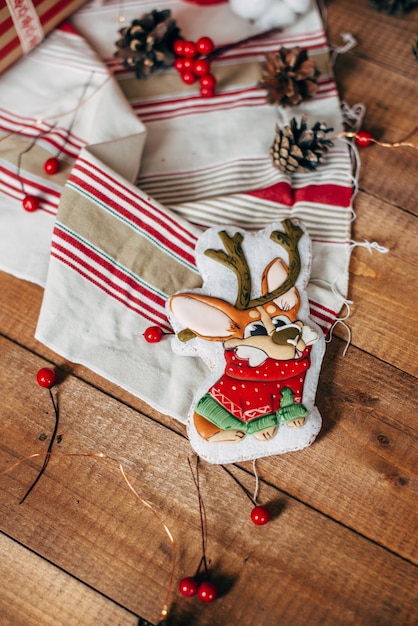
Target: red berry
{"points": [[260, 515], [189, 49], [208, 81], [188, 77], [201, 67], [52, 166], [31, 203], [205, 45], [363, 138], [153, 334], [188, 64], [206, 92], [46, 377], [178, 46], [179, 64], [207, 592], [188, 586]]}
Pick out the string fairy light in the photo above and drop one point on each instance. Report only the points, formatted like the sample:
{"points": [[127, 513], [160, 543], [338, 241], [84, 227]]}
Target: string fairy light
{"points": [[32, 202], [47, 377], [364, 138], [105, 457]]}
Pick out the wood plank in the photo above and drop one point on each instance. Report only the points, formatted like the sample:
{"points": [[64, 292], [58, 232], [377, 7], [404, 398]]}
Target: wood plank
{"points": [[390, 46], [302, 567], [35, 592], [359, 383], [383, 287], [380, 72], [387, 173], [362, 469]]}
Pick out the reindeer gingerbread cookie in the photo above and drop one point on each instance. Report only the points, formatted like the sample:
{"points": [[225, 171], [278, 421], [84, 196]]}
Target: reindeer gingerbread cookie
{"points": [[250, 324]]}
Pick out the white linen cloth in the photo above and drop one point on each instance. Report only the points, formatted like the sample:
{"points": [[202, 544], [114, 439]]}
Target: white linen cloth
{"points": [[57, 99], [119, 250]]}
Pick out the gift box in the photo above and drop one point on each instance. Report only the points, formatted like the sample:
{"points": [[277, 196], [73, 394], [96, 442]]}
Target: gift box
{"points": [[24, 24]]}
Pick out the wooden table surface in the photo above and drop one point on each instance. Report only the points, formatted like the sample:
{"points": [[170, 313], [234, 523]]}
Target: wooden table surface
{"points": [[342, 545]]}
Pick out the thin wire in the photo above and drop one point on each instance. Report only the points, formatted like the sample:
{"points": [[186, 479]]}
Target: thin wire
{"points": [[397, 144], [106, 457], [257, 482], [81, 103], [202, 514], [75, 111], [245, 490], [49, 450], [27, 149]]}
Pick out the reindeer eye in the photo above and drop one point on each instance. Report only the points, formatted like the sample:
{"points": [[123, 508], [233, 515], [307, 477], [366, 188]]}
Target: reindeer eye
{"points": [[255, 328], [280, 320]]}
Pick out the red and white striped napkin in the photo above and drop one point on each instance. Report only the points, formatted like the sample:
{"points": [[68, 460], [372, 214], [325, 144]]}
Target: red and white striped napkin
{"points": [[119, 250], [54, 101]]}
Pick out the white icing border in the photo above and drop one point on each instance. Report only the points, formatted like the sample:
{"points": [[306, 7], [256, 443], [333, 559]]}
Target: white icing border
{"points": [[259, 250]]}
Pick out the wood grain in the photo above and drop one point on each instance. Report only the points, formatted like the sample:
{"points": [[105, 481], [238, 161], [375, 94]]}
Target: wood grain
{"points": [[82, 518], [36, 592], [342, 546]]}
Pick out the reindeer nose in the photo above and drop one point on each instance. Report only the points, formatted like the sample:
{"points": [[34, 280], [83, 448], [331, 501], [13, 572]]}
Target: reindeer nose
{"points": [[285, 335]]}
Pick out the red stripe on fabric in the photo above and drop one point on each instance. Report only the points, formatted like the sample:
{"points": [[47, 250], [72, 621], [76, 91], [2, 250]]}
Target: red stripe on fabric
{"points": [[323, 307], [334, 195], [181, 100], [180, 252], [67, 27], [323, 317], [23, 122], [256, 52], [12, 45], [6, 25], [156, 318], [106, 265], [231, 100], [34, 184], [57, 8], [280, 193], [177, 227]]}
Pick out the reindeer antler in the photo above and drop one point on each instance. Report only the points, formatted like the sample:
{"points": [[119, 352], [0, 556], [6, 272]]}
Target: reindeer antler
{"points": [[289, 240], [234, 258]]}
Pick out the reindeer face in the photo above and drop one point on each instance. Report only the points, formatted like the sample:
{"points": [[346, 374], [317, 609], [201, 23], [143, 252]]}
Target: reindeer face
{"points": [[268, 333], [269, 330]]}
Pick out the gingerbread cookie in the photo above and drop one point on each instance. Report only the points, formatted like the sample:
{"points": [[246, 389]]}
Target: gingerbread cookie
{"points": [[250, 323]]}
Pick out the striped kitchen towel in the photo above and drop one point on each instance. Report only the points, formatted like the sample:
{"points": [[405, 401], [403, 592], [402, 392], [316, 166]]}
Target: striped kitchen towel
{"points": [[120, 250], [56, 100]]}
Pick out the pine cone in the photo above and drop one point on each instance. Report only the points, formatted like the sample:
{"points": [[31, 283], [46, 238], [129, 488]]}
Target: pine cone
{"points": [[393, 6], [289, 76], [294, 148], [147, 44]]}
